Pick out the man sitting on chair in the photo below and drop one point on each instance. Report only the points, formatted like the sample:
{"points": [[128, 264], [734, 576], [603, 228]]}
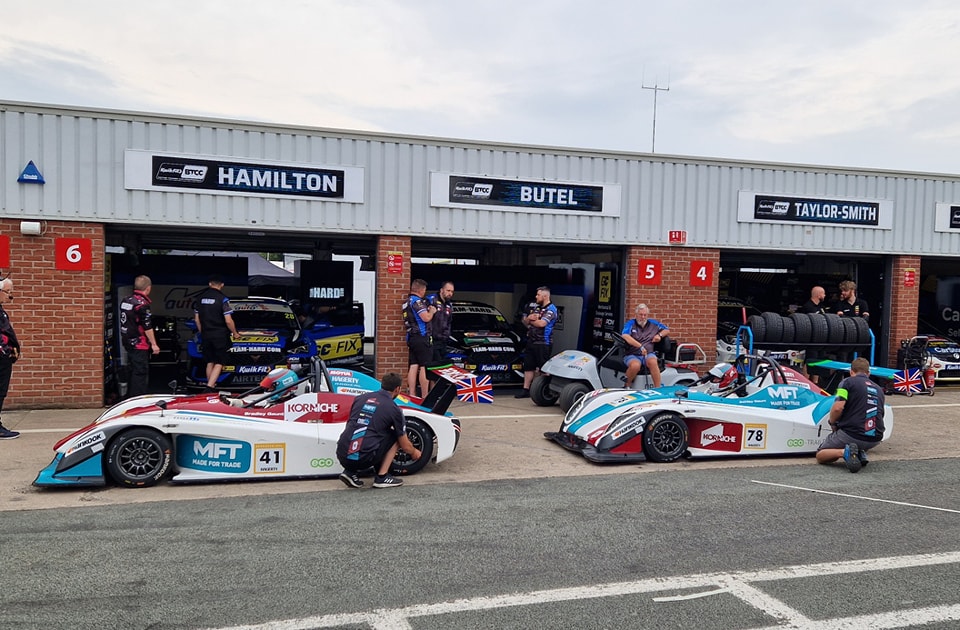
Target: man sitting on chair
{"points": [[640, 334]]}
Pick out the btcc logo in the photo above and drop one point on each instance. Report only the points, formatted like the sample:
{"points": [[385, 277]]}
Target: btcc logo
{"points": [[171, 171]]}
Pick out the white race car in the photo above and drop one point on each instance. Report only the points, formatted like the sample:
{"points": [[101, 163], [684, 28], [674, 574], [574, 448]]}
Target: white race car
{"points": [[256, 435], [759, 408]]}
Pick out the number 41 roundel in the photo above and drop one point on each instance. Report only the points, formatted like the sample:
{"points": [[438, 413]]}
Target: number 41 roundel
{"points": [[701, 273]]}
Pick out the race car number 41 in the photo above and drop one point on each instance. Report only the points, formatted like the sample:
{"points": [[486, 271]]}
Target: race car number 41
{"points": [[270, 458]]}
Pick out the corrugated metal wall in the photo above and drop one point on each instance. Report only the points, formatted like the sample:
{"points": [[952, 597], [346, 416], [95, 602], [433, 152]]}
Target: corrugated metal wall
{"points": [[81, 156]]}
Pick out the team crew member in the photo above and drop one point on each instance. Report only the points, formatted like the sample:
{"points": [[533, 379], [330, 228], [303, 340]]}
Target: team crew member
{"points": [[374, 433], [442, 321], [214, 318], [850, 305], [417, 314], [9, 352], [136, 334], [539, 322], [815, 305], [856, 419], [640, 334]]}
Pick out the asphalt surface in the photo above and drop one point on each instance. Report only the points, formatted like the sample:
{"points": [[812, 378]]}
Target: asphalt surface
{"points": [[512, 532]]}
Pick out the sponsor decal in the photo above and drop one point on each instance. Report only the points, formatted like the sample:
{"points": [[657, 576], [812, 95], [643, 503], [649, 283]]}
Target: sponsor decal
{"points": [[213, 455], [500, 367], [795, 443], [327, 293], [322, 462], [340, 347], [91, 441], [715, 436], [258, 339]]}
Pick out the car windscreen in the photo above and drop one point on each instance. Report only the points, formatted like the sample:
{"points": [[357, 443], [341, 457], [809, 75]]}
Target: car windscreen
{"points": [[476, 320], [253, 315]]}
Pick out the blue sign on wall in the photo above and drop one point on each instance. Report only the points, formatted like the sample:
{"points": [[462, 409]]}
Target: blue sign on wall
{"points": [[31, 175]]}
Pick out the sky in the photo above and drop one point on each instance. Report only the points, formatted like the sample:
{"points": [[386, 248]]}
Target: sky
{"points": [[855, 83]]}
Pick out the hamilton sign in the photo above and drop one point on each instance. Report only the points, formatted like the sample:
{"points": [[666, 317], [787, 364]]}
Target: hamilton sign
{"points": [[145, 170]]}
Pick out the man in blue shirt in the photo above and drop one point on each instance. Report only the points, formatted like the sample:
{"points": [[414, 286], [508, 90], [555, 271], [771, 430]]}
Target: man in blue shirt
{"points": [[641, 334], [539, 322], [417, 314]]}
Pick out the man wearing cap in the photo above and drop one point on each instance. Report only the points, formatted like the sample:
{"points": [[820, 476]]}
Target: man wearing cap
{"points": [[214, 318]]}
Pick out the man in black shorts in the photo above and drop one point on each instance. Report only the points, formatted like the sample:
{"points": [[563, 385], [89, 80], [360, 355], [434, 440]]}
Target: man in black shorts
{"points": [[374, 433], [417, 314], [214, 318], [856, 419], [539, 322]]}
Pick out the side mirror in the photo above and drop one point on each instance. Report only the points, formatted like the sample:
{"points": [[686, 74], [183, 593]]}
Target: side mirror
{"points": [[682, 392]]}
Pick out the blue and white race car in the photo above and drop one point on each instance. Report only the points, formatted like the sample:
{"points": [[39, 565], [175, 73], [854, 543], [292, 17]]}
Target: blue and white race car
{"points": [[289, 431], [755, 407]]}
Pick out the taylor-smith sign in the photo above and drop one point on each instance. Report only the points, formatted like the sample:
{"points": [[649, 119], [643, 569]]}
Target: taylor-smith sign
{"points": [[760, 207], [144, 170], [470, 191]]}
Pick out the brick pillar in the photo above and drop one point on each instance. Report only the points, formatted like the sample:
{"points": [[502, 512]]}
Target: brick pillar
{"points": [[392, 290], [59, 319], [904, 304], [690, 312]]}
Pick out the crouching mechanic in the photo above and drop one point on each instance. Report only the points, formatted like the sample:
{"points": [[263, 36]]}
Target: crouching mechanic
{"points": [[856, 419], [375, 431], [640, 334]]}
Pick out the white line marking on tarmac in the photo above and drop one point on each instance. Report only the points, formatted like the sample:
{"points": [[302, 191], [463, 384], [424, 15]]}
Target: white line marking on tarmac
{"points": [[925, 406], [735, 583], [856, 496]]}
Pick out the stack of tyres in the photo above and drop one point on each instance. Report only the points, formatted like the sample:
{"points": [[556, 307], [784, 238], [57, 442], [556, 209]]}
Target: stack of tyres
{"points": [[809, 330]]}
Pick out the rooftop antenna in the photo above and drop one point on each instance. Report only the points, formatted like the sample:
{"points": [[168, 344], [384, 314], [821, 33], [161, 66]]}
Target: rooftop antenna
{"points": [[656, 88]]}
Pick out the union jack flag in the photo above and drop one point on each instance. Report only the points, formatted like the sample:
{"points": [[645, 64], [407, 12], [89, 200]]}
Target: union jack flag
{"points": [[478, 390], [910, 380]]}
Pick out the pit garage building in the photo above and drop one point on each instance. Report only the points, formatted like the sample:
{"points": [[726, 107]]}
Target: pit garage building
{"points": [[85, 193]]}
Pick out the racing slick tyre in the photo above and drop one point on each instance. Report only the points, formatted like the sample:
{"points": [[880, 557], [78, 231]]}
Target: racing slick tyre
{"points": [[571, 393], [773, 325], [422, 438], [139, 458], [850, 332], [789, 330], [759, 328], [863, 331], [802, 327], [540, 392], [819, 329], [665, 438], [835, 328]]}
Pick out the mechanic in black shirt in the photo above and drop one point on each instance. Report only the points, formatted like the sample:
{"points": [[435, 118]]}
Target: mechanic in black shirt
{"points": [[417, 313], [856, 419], [816, 305], [9, 352], [442, 321], [850, 305], [214, 318], [136, 334], [375, 431]]}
